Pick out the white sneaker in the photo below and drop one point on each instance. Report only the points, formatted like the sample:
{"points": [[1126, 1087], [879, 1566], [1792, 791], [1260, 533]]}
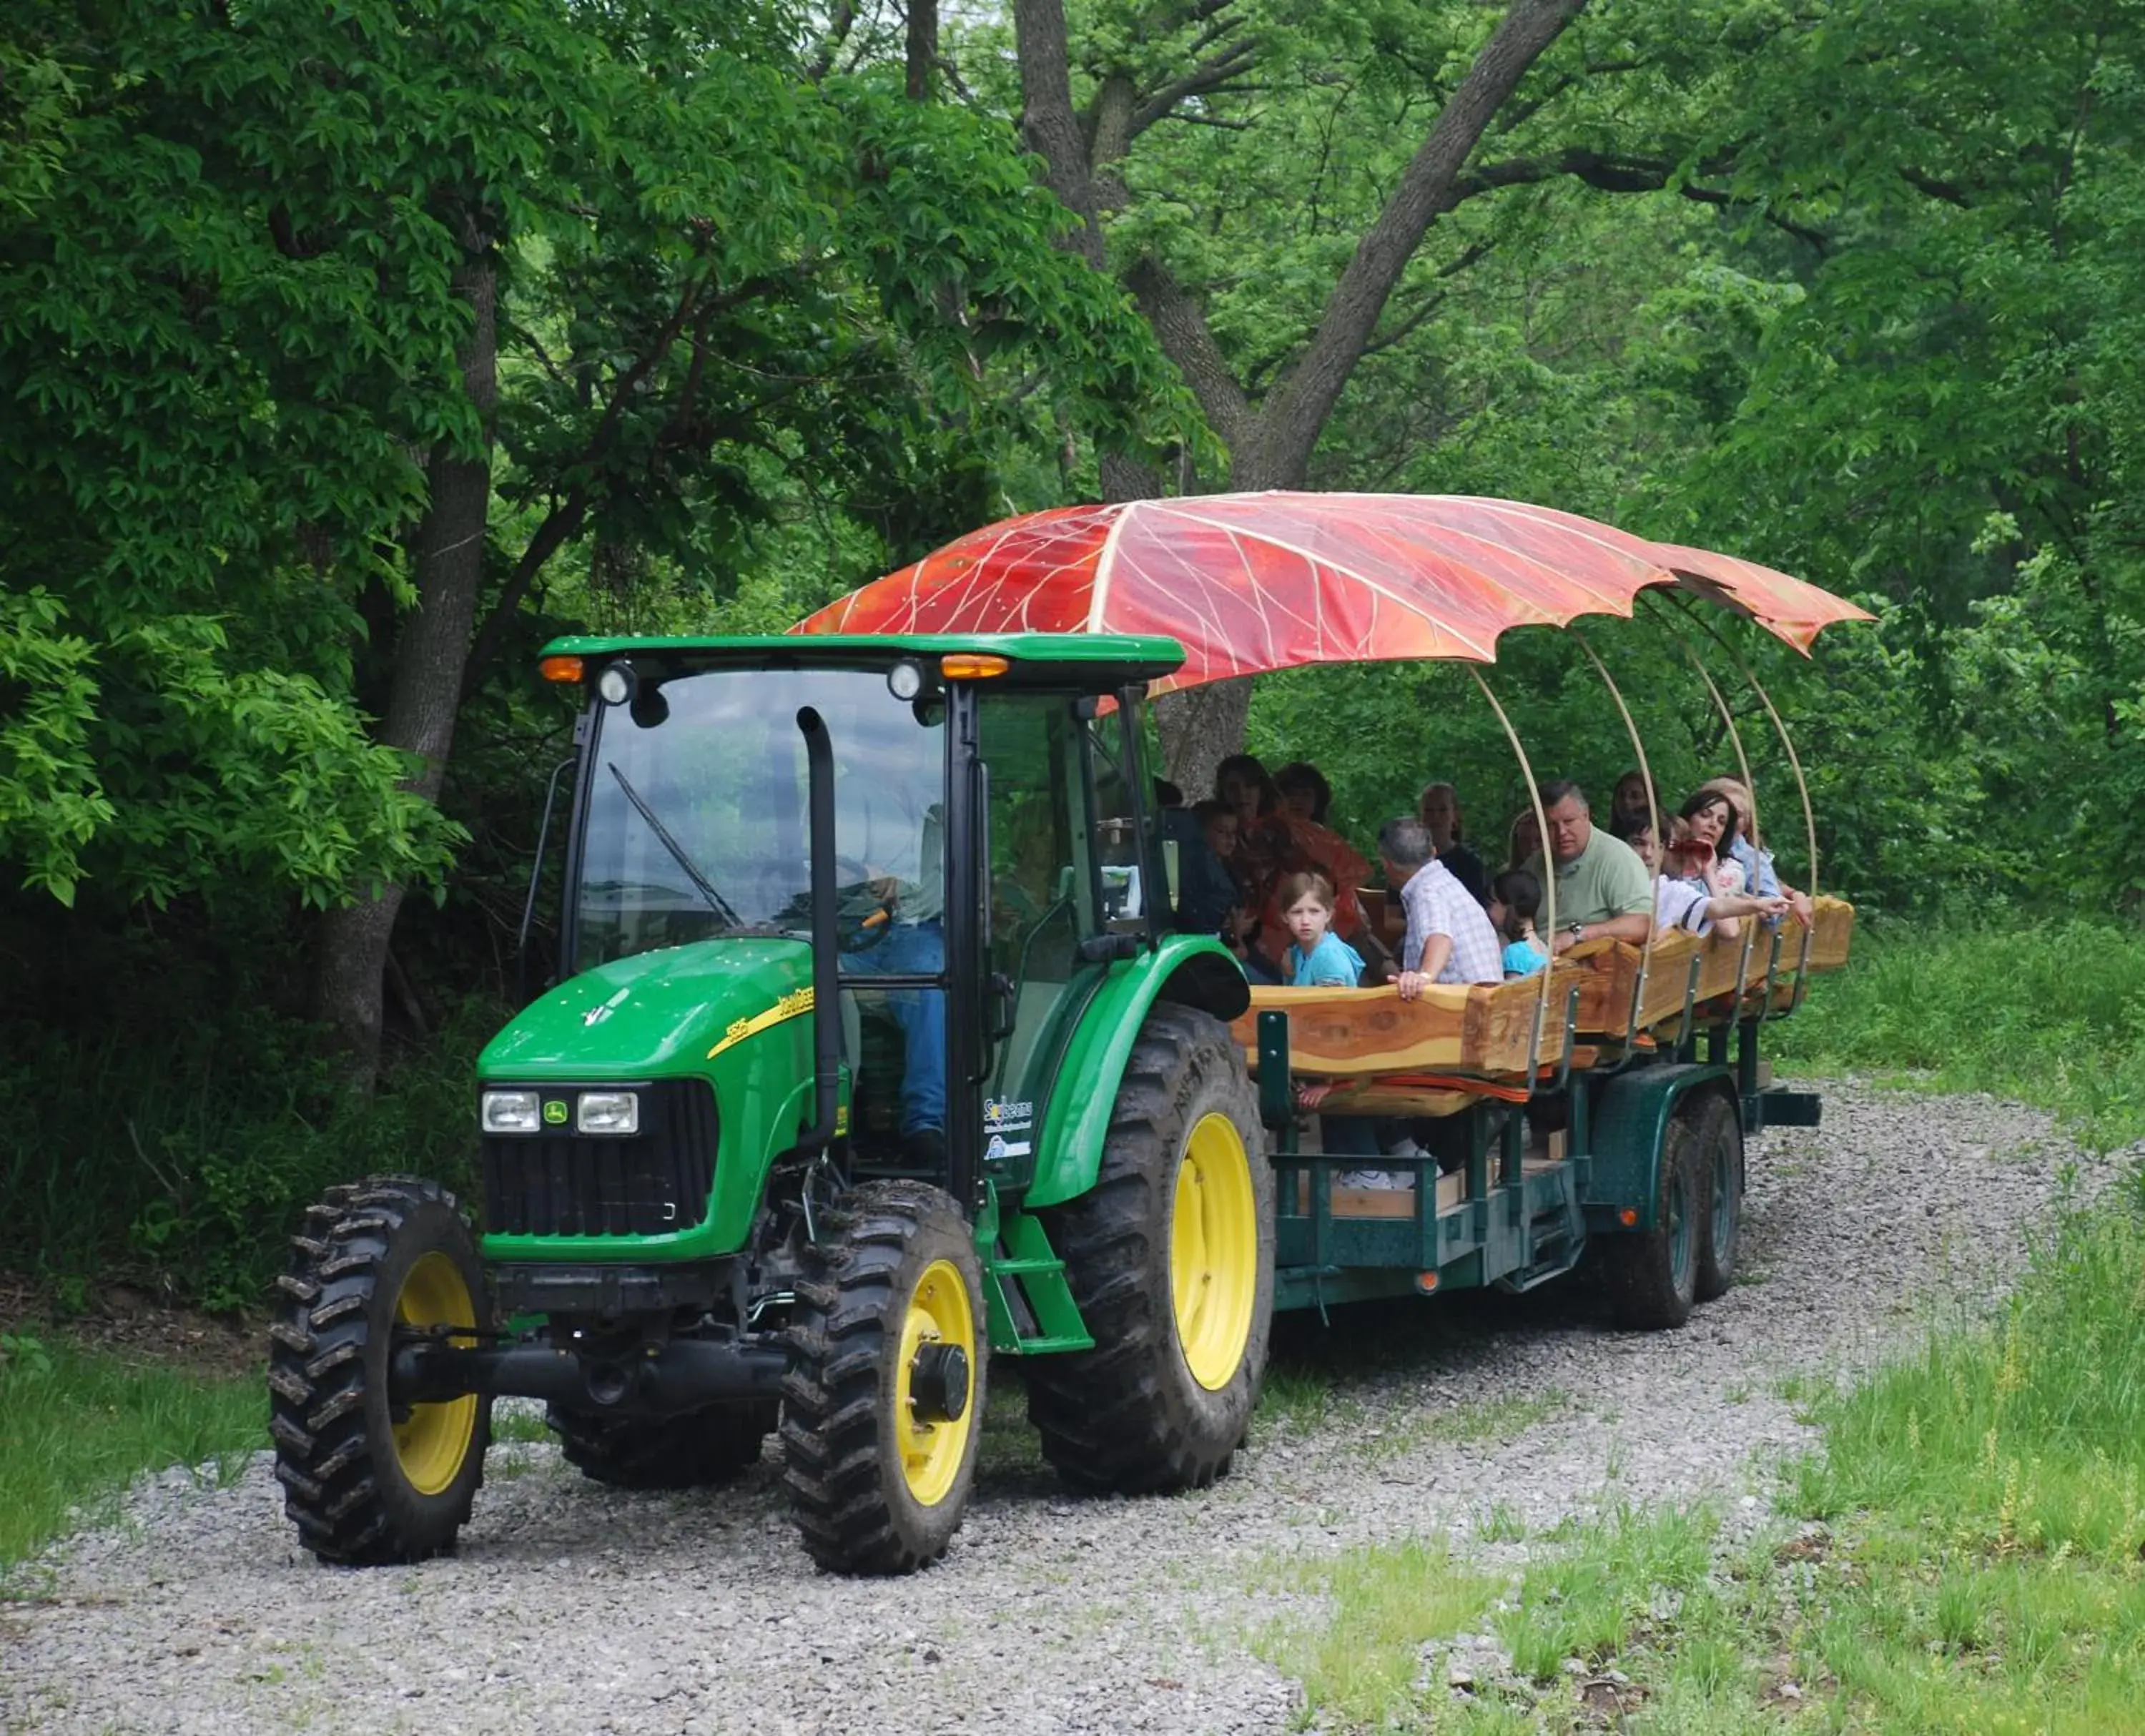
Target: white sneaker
{"points": [[1375, 1181]]}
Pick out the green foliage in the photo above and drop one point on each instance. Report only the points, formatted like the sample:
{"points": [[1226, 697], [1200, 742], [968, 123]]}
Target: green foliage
{"points": [[2053, 1015], [77, 1426], [237, 248], [196, 1154]]}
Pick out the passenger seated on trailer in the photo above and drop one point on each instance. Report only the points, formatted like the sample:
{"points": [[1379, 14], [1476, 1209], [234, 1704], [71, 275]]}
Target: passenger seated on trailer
{"points": [[1304, 796], [1749, 850], [1603, 891], [1449, 937], [1629, 800], [1217, 821], [1206, 889], [1319, 958], [1704, 830], [1514, 897], [1687, 901], [1438, 807], [1522, 839]]}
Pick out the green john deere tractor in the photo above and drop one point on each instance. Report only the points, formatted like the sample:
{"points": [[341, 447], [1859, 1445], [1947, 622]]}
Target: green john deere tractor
{"points": [[870, 1055]]}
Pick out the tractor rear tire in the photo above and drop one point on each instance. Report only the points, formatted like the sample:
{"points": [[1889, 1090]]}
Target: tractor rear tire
{"points": [[1720, 1155], [880, 1419], [1653, 1274], [699, 1450], [1171, 1259], [366, 1481]]}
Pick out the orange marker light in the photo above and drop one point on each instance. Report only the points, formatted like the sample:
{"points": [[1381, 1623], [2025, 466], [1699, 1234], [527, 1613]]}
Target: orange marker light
{"points": [[1627, 1216], [1426, 1281], [560, 668], [971, 666]]}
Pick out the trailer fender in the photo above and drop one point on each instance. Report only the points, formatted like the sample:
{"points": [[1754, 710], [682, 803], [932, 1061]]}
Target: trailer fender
{"points": [[1192, 969], [1630, 1114]]}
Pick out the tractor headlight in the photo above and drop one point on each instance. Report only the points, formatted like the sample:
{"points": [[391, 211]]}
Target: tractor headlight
{"points": [[511, 1111], [608, 1111], [616, 684]]}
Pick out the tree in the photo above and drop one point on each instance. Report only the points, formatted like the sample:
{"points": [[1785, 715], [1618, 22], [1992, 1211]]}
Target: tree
{"points": [[1270, 432], [427, 297]]}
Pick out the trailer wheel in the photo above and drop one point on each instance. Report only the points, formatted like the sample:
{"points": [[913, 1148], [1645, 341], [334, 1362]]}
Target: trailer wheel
{"points": [[1170, 1256], [882, 1405], [365, 1480], [1720, 1155], [694, 1451], [1653, 1274]]}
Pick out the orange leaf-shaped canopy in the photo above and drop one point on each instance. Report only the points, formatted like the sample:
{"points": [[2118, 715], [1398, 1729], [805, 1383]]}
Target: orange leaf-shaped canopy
{"points": [[1267, 581]]}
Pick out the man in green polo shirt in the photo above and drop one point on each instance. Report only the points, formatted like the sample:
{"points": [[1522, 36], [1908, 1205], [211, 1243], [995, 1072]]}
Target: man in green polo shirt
{"points": [[1603, 891]]}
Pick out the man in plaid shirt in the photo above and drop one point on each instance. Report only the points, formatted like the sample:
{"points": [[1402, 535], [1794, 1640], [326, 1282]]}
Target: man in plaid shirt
{"points": [[1449, 936]]}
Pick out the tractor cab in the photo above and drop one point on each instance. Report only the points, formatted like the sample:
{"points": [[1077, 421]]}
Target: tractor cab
{"points": [[993, 852]]}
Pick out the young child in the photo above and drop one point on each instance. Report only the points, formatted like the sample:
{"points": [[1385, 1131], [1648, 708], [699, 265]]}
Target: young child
{"points": [[1319, 958], [1514, 897]]}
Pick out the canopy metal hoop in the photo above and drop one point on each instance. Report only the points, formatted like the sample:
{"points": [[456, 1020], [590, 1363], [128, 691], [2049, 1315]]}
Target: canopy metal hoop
{"points": [[1549, 877], [1779, 727], [1646, 772]]}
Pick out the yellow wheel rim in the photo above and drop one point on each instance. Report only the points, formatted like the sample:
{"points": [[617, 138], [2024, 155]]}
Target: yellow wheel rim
{"points": [[433, 1442], [1214, 1251], [932, 1451]]}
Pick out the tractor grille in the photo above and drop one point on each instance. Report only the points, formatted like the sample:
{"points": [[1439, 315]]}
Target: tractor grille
{"points": [[650, 1183]]}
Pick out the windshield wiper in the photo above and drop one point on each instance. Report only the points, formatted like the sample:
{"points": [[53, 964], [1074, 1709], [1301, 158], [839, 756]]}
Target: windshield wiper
{"points": [[716, 901]]}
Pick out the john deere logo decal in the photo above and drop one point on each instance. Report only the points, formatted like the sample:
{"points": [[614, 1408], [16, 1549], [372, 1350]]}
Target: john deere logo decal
{"points": [[554, 1113]]}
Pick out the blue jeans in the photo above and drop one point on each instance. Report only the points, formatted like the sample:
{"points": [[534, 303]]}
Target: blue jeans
{"points": [[913, 949]]}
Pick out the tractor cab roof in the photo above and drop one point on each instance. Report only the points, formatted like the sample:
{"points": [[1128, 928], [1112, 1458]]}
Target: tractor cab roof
{"points": [[1094, 661]]}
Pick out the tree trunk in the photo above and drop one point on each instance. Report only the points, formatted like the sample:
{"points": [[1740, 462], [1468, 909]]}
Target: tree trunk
{"points": [[431, 649], [923, 48], [1270, 443]]}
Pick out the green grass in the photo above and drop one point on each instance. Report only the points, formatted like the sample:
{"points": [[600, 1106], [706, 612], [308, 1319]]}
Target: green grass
{"points": [[76, 1426], [1977, 1567], [1990, 1497], [1360, 1659], [2050, 1015]]}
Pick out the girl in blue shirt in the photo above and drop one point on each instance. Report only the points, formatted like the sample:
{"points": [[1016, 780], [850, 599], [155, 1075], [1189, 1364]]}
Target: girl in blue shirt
{"points": [[1514, 897], [1320, 958]]}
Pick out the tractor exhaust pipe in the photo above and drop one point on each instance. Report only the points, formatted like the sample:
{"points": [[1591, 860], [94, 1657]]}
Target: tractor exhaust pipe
{"points": [[826, 957]]}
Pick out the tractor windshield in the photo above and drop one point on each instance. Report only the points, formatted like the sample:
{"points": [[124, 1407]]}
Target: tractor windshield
{"points": [[696, 822]]}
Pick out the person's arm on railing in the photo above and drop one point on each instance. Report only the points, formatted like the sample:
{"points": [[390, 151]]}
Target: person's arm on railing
{"points": [[1632, 929]]}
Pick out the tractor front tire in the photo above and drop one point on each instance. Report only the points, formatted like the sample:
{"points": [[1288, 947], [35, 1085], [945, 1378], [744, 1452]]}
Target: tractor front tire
{"points": [[366, 1481], [1653, 1274], [883, 1405], [1171, 1259], [1720, 1137], [699, 1450]]}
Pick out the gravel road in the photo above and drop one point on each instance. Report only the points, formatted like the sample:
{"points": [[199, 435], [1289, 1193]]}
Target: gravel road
{"points": [[573, 1609]]}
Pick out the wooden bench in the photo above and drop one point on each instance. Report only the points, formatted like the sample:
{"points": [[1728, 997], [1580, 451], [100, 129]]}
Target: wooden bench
{"points": [[1434, 1055]]}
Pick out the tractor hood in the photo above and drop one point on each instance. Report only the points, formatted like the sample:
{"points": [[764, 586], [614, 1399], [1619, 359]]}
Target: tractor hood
{"points": [[657, 1013]]}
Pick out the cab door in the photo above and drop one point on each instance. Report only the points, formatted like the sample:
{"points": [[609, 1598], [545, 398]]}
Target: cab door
{"points": [[1062, 833]]}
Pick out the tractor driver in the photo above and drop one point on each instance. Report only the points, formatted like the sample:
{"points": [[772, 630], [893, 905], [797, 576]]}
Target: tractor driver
{"points": [[912, 943]]}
